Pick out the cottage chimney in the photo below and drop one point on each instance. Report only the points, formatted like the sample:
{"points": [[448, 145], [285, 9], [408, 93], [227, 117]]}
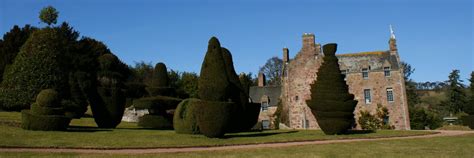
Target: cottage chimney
{"points": [[286, 54], [392, 42], [261, 79]]}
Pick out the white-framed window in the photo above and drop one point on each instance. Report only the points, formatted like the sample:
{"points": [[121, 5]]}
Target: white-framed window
{"points": [[367, 97], [386, 71], [264, 106], [265, 124], [365, 73], [389, 94]]}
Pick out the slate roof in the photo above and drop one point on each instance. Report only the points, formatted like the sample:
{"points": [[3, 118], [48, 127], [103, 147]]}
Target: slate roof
{"points": [[354, 62], [273, 92]]}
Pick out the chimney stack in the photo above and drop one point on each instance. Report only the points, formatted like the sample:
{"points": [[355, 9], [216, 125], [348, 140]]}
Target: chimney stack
{"points": [[261, 79], [286, 54]]}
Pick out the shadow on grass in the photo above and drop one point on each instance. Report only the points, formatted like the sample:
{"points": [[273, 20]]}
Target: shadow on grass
{"points": [[255, 134], [86, 129]]}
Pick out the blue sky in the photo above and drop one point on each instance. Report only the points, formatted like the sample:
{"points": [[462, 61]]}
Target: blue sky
{"points": [[433, 36]]}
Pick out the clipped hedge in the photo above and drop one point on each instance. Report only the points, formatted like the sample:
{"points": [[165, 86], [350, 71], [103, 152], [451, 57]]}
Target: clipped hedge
{"points": [[160, 91], [48, 98], [40, 110], [213, 118], [155, 122], [32, 121], [184, 120], [468, 121], [108, 106], [157, 104]]}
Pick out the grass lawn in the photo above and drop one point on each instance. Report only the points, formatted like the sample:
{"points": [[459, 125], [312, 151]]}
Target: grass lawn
{"points": [[457, 147], [85, 134]]}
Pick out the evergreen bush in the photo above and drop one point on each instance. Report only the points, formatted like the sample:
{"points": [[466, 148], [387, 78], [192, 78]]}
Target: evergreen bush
{"points": [[108, 106], [184, 120], [37, 66], [157, 104], [468, 121], [32, 121], [213, 118], [331, 103], [213, 84], [45, 114], [155, 122]]}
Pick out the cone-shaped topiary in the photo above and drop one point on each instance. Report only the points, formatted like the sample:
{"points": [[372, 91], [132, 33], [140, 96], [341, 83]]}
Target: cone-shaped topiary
{"points": [[331, 103], [37, 66], [160, 76], [213, 84], [46, 113], [160, 85]]}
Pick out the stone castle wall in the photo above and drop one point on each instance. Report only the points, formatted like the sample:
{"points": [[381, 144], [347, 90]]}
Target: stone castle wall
{"points": [[301, 71]]}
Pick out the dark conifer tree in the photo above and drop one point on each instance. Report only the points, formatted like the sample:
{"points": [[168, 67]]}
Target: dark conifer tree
{"points": [[331, 103]]}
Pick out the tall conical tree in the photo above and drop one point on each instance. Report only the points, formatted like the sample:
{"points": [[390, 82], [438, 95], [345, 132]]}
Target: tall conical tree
{"points": [[331, 103], [213, 82]]}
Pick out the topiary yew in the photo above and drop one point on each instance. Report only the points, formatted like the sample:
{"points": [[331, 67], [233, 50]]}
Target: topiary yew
{"points": [[37, 66], [331, 103], [184, 120], [46, 113], [213, 84]]}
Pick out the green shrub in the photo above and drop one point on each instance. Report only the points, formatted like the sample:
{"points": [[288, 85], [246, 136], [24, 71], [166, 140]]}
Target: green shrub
{"points": [[37, 66], [213, 83], [331, 103], [48, 98], [31, 121], [157, 104], [184, 120], [160, 76], [160, 91], [42, 110], [135, 90], [368, 121], [108, 106], [213, 118], [250, 116], [155, 122], [468, 121]]}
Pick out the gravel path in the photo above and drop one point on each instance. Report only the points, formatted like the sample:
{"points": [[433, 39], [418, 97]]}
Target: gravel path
{"points": [[440, 133]]}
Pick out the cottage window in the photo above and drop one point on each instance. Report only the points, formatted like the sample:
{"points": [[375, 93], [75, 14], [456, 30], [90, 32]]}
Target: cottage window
{"points": [[367, 97], [386, 71], [265, 124], [264, 106], [389, 94], [296, 98], [365, 73]]}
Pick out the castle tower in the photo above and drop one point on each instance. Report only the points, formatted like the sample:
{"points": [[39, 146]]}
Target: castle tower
{"points": [[309, 45], [392, 42]]}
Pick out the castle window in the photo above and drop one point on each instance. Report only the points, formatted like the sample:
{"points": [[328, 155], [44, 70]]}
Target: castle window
{"points": [[265, 124], [386, 71], [365, 73], [264, 106], [389, 94], [367, 97], [296, 98]]}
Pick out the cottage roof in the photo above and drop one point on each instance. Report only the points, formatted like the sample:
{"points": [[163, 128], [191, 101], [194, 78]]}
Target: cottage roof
{"points": [[375, 61], [273, 92]]}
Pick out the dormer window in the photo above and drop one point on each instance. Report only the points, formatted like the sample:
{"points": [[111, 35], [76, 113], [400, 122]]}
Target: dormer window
{"points": [[365, 73], [386, 71]]}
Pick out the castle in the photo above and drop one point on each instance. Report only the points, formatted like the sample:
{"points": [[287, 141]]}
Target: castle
{"points": [[375, 78]]}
